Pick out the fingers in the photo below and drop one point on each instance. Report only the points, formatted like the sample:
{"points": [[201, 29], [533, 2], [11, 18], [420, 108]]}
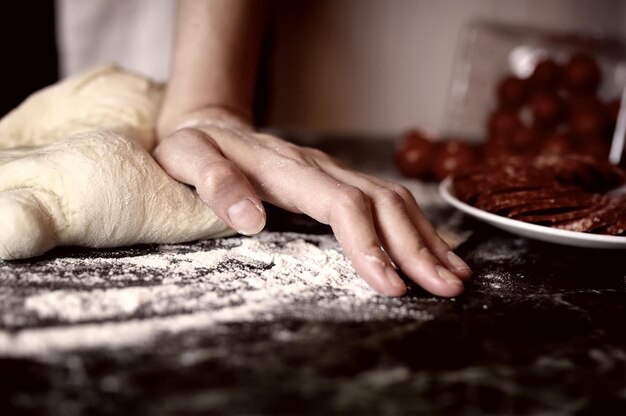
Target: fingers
{"points": [[26, 228], [438, 247], [192, 157], [407, 248], [408, 237], [352, 222], [435, 243], [365, 213], [346, 209]]}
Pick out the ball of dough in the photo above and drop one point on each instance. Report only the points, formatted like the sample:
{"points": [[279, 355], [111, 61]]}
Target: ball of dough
{"points": [[106, 98], [78, 171], [95, 189]]}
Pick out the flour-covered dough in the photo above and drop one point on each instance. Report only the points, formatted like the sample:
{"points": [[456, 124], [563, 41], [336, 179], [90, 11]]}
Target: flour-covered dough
{"points": [[94, 184], [104, 98]]}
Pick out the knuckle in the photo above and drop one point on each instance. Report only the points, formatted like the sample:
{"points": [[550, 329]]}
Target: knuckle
{"points": [[187, 134], [294, 153], [388, 197], [183, 137], [352, 198], [317, 154], [300, 155], [403, 191], [216, 176]]}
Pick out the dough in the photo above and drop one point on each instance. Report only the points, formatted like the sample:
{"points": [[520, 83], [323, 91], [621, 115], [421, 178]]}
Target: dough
{"points": [[102, 98], [99, 187]]}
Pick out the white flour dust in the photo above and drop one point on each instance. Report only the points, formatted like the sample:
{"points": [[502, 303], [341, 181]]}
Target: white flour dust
{"points": [[128, 297]]}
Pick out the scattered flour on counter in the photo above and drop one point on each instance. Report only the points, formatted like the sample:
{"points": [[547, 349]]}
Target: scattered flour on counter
{"points": [[495, 251], [125, 297], [495, 280]]}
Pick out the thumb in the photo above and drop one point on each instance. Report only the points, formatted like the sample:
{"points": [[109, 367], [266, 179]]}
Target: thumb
{"points": [[192, 157]]}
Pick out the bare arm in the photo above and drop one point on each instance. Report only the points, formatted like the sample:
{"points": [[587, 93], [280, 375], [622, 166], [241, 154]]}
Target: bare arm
{"points": [[215, 61]]}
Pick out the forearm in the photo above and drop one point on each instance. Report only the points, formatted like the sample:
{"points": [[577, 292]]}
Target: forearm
{"points": [[215, 60]]}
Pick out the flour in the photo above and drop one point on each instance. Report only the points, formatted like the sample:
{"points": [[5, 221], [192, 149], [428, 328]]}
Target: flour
{"points": [[126, 298], [494, 251], [495, 281]]}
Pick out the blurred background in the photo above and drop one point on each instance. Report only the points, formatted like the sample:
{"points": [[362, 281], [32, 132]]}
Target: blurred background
{"points": [[376, 67], [349, 67]]}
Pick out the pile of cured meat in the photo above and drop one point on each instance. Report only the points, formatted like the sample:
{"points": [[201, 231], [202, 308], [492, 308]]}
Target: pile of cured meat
{"points": [[567, 192]]}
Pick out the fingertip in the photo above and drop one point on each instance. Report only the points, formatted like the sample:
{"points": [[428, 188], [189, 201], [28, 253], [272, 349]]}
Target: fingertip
{"points": [[379, 273], [396, 286], [458, 266], [433, 277], [246, 216], [453, 291], [463, 274], [452, 284]]}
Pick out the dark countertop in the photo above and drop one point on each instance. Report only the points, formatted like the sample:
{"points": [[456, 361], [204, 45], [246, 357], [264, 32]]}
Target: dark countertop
{"points": [[539, 330]]}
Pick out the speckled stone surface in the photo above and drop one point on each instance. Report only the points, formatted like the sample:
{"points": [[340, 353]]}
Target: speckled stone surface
{"points": [[540, 330]]}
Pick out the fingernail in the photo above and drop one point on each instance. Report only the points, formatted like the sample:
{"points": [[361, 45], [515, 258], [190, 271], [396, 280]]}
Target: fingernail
{"points": [[458, 264], [246, 217], [447, 276], [384, 271], [394, 279]]}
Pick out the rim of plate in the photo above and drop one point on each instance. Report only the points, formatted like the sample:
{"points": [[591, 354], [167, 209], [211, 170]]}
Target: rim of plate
{"points": [[445, 190]]}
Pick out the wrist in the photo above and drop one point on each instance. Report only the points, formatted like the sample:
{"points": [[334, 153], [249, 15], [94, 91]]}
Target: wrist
{"points": [[209, 116]]}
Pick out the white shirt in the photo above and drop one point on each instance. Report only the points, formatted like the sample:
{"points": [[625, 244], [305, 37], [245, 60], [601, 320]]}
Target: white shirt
{"points": [[136, 34]]}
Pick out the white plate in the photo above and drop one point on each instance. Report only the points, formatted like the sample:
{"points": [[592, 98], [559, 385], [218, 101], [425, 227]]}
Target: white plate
{"points": [[526, 229]]}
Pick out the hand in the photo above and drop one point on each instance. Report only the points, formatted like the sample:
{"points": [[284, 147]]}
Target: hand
{"points": [[234, 168]]}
